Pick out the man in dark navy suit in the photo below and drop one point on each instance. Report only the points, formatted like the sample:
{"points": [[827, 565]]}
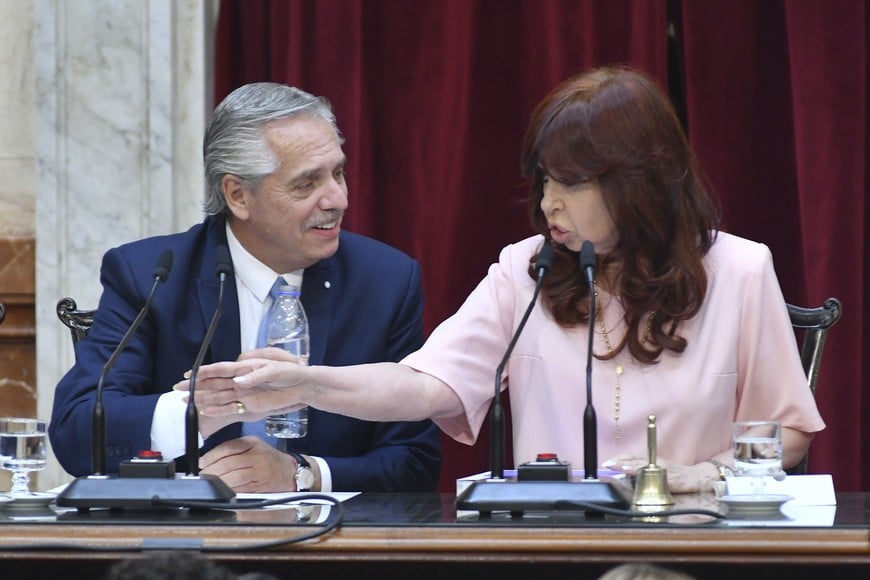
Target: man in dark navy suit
{"points": [[276, 197]]}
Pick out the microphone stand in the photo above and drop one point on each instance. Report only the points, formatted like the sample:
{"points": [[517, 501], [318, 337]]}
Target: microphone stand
{"points": [[496, 419], [590, 421], [591, 495], [145, 481], [191, 417], [98, 416]]}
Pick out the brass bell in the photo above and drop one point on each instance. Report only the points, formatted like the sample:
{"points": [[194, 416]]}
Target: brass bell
{"points": [[651, 486]]}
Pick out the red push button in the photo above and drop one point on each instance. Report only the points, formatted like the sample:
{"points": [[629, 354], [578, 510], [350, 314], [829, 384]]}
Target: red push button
{"points": [[149, 454]]}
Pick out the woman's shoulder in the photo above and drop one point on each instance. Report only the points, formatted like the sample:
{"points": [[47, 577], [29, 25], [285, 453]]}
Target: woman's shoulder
{"points": [[731, 252], [523, 249], [516, 256]]}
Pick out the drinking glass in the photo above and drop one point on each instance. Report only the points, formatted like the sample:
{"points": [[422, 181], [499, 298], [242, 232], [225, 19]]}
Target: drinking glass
{"points": [[22, 450], [757, 447]]}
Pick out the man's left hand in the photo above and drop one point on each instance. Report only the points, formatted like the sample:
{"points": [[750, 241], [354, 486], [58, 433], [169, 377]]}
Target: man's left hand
{"points": [[250, 465]]}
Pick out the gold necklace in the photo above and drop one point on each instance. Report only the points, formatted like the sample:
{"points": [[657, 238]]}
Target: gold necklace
{"points": [[617, 395]]}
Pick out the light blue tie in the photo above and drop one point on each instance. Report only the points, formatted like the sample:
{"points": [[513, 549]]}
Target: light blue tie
{"points": [[258, 428], [262, 336]]}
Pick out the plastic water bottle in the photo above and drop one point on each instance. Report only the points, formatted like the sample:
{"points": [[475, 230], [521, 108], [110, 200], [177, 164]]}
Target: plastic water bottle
{"points": [[288, 329]]}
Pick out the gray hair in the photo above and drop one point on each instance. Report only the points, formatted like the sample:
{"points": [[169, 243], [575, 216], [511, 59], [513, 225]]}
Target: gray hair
{"points": [[235, 142]]}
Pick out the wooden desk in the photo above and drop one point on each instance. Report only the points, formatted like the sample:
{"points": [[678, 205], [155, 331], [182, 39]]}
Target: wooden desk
{"points": [[435, 544]]}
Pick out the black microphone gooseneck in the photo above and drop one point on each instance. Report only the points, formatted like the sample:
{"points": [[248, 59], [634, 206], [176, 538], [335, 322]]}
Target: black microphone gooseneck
{"points": [[496, 421], [98, 418], [593, 495], [590, 422], [223, 268]]}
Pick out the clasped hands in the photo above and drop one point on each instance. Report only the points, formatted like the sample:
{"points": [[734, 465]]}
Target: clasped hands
{"points": [[224, 395], [225, 391], [681, 478]]}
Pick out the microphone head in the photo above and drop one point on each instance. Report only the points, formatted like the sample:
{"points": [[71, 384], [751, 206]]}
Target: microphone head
{"points": [[587, 256], [545, 260], [164, 265], [223, 263]]}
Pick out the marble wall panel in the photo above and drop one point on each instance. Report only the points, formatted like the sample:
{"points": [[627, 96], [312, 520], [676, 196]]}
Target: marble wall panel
{"points": [[121, 103], [17, 114]]}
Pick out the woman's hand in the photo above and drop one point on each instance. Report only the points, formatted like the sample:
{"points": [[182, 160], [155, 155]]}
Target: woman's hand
{"points": [[271, 381], [250, 388], [681, 478]]}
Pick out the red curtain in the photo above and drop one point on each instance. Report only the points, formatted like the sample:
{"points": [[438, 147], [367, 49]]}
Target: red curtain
{"points": [[777, 101], [433, 97]]}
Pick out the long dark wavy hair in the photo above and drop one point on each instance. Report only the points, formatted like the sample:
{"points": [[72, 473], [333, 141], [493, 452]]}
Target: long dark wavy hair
{"points": [[615, 125]]}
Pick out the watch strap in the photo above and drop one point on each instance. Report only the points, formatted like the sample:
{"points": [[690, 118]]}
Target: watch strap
{"points": [[301, 464], [301, 461]]}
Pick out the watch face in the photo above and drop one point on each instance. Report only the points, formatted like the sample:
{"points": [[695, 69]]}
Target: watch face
{"points": [[304, 479]]}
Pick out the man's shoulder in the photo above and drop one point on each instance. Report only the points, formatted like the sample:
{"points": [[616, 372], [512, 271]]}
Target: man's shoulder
{"points": [[358, 245], [189, 249], [192, 238]]}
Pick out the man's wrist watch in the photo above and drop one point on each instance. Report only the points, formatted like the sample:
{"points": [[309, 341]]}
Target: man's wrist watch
{"points": [[304, 474]]}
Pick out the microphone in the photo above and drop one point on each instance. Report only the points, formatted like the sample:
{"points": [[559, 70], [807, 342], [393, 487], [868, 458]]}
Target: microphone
{"points": [[550, 489], [496, 420], [590, 422], [149, 481], [98, 417], [223, 268]]}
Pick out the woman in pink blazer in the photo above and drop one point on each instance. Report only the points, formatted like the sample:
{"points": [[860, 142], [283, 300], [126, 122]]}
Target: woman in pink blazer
{"points": [[691, 325]]}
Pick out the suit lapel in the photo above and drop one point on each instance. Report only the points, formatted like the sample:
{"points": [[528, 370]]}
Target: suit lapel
{"points": [[318, 290], [226, 342]]}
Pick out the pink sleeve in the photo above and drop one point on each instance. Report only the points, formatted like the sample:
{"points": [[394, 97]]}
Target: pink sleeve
{"points": [[768, 356], [464, 350]]}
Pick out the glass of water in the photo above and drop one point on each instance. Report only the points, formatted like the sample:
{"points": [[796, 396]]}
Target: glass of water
{"points": [[757, 447], [22, 450]]}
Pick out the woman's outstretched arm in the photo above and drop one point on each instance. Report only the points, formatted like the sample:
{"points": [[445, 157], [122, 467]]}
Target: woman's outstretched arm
{"points": [[267, 381]]}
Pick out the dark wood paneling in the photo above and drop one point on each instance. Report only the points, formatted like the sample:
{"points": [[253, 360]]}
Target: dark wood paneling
{"points": [[18, 331]]}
